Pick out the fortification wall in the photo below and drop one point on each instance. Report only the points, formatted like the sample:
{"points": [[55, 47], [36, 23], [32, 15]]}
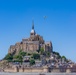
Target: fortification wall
{"points": [[10, 70], [35, 70]]}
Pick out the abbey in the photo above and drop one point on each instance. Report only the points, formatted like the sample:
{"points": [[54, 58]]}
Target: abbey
{"points": [[31, 44]]}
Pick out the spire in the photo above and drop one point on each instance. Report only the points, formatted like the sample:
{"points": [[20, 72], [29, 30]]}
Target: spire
{"points": [[32, 24], [33, 31]]}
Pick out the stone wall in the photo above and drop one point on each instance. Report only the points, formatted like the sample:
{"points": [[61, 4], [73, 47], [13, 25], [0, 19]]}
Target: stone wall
{"points": [[36, 70], [10, 70], [27, 70]]}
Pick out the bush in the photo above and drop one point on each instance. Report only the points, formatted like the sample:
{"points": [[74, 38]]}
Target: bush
{"points": [[22, 53], [48, 54], [58, 55], [8, 57], [38, 50], [63, 57], [41, 50], [29, 54], [36, 56], [18, 58], [32, 62]]}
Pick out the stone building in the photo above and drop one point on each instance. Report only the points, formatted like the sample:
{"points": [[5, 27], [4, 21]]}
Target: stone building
{"points": [[31, 44]]}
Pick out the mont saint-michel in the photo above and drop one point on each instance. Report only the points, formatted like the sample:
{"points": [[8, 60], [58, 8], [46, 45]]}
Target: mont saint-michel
{"points": [[34, 54]]}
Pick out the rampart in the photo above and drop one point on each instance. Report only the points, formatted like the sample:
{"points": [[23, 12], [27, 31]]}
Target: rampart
{"points": [[38, 70]]}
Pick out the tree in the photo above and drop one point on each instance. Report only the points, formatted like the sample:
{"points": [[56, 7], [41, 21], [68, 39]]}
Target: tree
{"points": [[41, 50], [29, 54], [63, 57], [38, 50], [32, 62], [36, 56], [48, 54], [18, 58], [58, 55], [22, 53], [8, 57]]}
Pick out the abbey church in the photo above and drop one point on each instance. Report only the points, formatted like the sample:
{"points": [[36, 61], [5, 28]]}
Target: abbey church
{"points": [[31, 44]]}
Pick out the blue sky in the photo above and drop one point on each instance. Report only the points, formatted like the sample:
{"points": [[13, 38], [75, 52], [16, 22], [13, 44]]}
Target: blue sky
{"points": [[59, 26]]}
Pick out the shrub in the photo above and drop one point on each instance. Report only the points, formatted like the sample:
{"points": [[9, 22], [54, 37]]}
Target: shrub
{"points": [[32, 62], [8, 57], [36, 56], [18, 58]]}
